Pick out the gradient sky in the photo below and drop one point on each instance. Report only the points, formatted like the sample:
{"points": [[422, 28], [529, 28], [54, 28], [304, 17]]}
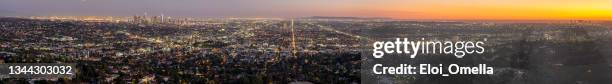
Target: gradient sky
{"points": [[400, 9]]}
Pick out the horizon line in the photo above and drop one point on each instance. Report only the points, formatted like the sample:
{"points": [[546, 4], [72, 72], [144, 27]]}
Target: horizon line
{"points": [[358, 17]]}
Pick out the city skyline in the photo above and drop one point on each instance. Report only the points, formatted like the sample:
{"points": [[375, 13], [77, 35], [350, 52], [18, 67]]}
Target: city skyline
{"points": [[397, 9]]}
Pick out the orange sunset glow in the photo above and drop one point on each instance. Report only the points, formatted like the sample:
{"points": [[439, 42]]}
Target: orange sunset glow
{"points": [[492, 9]]}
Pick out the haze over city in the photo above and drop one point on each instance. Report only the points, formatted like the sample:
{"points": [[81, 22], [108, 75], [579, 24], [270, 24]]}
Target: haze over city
{"points": [[397, 9]]}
